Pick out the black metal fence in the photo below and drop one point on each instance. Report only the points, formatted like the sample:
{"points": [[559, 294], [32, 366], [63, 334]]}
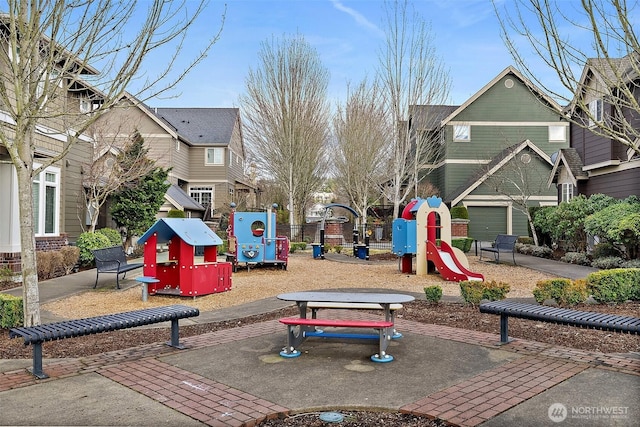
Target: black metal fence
{"points": [[379, 234]]}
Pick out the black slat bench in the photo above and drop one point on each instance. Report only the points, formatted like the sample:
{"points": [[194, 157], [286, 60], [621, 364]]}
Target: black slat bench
{"points": [[36, 335], [563, 316], [113, 260], [504, 243]]}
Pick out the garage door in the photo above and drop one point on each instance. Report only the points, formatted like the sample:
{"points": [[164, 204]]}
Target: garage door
{"points": [[486, 222]]}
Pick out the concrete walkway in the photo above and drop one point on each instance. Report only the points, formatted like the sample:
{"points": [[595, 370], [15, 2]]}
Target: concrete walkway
{"points": [[235, 377]]}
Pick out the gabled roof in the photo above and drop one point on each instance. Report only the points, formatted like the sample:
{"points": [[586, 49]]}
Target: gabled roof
{"points": [[428, 117], [192, 231], [181, 200], [608, 72], [493, 166], [509, 70], [569, 159], [202, 126]]}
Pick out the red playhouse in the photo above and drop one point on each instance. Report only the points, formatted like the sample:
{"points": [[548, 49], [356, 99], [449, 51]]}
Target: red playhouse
{"points": [[180, 275]]}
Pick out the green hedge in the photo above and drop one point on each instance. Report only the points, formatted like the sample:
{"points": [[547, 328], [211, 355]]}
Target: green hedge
{"points": [[563, 291], [463, 243], [474, 291], [615, 285], [11, 311]]}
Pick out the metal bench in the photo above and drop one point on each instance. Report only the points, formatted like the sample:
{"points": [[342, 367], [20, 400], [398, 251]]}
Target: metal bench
{"points": [[503, 243], [36, 335], [563, 316], [307, 329], [112, 260]]}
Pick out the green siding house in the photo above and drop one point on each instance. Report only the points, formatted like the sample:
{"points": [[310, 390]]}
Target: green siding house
{"points": [[497, 153]]}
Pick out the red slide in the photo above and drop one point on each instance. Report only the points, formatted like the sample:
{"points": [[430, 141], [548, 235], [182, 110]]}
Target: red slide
{"points": [[448, 265]]}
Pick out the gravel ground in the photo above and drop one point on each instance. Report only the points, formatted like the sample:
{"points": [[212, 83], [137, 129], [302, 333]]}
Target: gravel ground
{"points": [[303, 274]]}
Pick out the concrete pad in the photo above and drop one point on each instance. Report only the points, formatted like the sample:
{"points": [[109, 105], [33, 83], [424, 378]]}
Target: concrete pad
{"points": [[339, 373], [8, 365], [85, 400], [595, 397]]}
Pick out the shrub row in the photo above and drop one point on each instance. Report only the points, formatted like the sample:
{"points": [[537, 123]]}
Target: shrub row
{"points": [[606, 286], [56, 263], [474, 291], [615, 286], [562, 291], [11, 311], [103, 238]]}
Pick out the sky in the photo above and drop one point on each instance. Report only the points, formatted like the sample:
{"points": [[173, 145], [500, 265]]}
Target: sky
{"points": [[347, 34]]}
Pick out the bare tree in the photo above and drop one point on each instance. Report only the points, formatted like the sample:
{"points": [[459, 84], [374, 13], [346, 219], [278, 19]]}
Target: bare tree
{"points": [[519, 174], [362, 145], [611, 59], [106, 173], [412, 74], [286, 118], [47, 54]]}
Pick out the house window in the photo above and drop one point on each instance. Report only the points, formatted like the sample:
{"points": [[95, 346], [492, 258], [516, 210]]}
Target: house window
{"points": [[214, 156], [595, 112], [46, 200], [566, 192], [557, 133], [462, 133], [202, 195]]}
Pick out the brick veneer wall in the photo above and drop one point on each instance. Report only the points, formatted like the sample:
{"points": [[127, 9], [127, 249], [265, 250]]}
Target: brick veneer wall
{"points": [[459, 228], [13, 260]]}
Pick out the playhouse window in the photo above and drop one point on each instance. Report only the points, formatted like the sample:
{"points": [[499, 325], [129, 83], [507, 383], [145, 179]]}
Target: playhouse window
{"points": [[257, 228]]}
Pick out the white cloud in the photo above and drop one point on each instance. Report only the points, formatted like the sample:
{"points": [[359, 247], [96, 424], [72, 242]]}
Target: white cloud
{"points": [[358, 17]]}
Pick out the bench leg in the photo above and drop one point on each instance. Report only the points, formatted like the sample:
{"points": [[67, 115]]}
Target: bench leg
{"points": [[504, 329], [37, 362], [175, 335], [96, 284], [293, 341], [382, 356]]}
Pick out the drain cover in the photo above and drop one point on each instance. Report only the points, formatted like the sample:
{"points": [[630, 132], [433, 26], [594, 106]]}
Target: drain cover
{"points": [[331, 417]]}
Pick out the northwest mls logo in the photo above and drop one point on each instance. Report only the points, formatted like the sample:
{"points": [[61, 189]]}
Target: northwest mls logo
{"points": [[557, 412]]}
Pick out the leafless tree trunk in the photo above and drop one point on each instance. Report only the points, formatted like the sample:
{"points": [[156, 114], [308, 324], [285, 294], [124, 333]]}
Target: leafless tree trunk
{"points": [[612, 57], [287, 118], [362, 146], [47, 54], [412, 74]]}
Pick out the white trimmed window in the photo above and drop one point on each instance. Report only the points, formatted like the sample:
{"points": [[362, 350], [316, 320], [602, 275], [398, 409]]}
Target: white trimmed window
{"points": [[566, 192], [557, 133], [214, 156], [203, 195], [46, 202], [462, 133], [595, 112]]}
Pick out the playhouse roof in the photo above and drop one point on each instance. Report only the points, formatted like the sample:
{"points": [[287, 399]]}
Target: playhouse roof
{"points": [[191, 230]]}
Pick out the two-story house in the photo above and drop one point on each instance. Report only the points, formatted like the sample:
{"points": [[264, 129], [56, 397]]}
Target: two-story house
{"points": [[204, 149], [497, 148], [596, 162], [58, 195]]}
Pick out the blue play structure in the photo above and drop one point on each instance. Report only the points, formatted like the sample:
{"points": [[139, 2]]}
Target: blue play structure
{"points": [[252, 239]]}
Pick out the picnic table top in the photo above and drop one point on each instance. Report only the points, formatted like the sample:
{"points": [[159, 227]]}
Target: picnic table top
{"points": [[348, 297]]}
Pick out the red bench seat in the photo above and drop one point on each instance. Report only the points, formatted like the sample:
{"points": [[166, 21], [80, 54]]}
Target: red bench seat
{"points": [[375, 324]]}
